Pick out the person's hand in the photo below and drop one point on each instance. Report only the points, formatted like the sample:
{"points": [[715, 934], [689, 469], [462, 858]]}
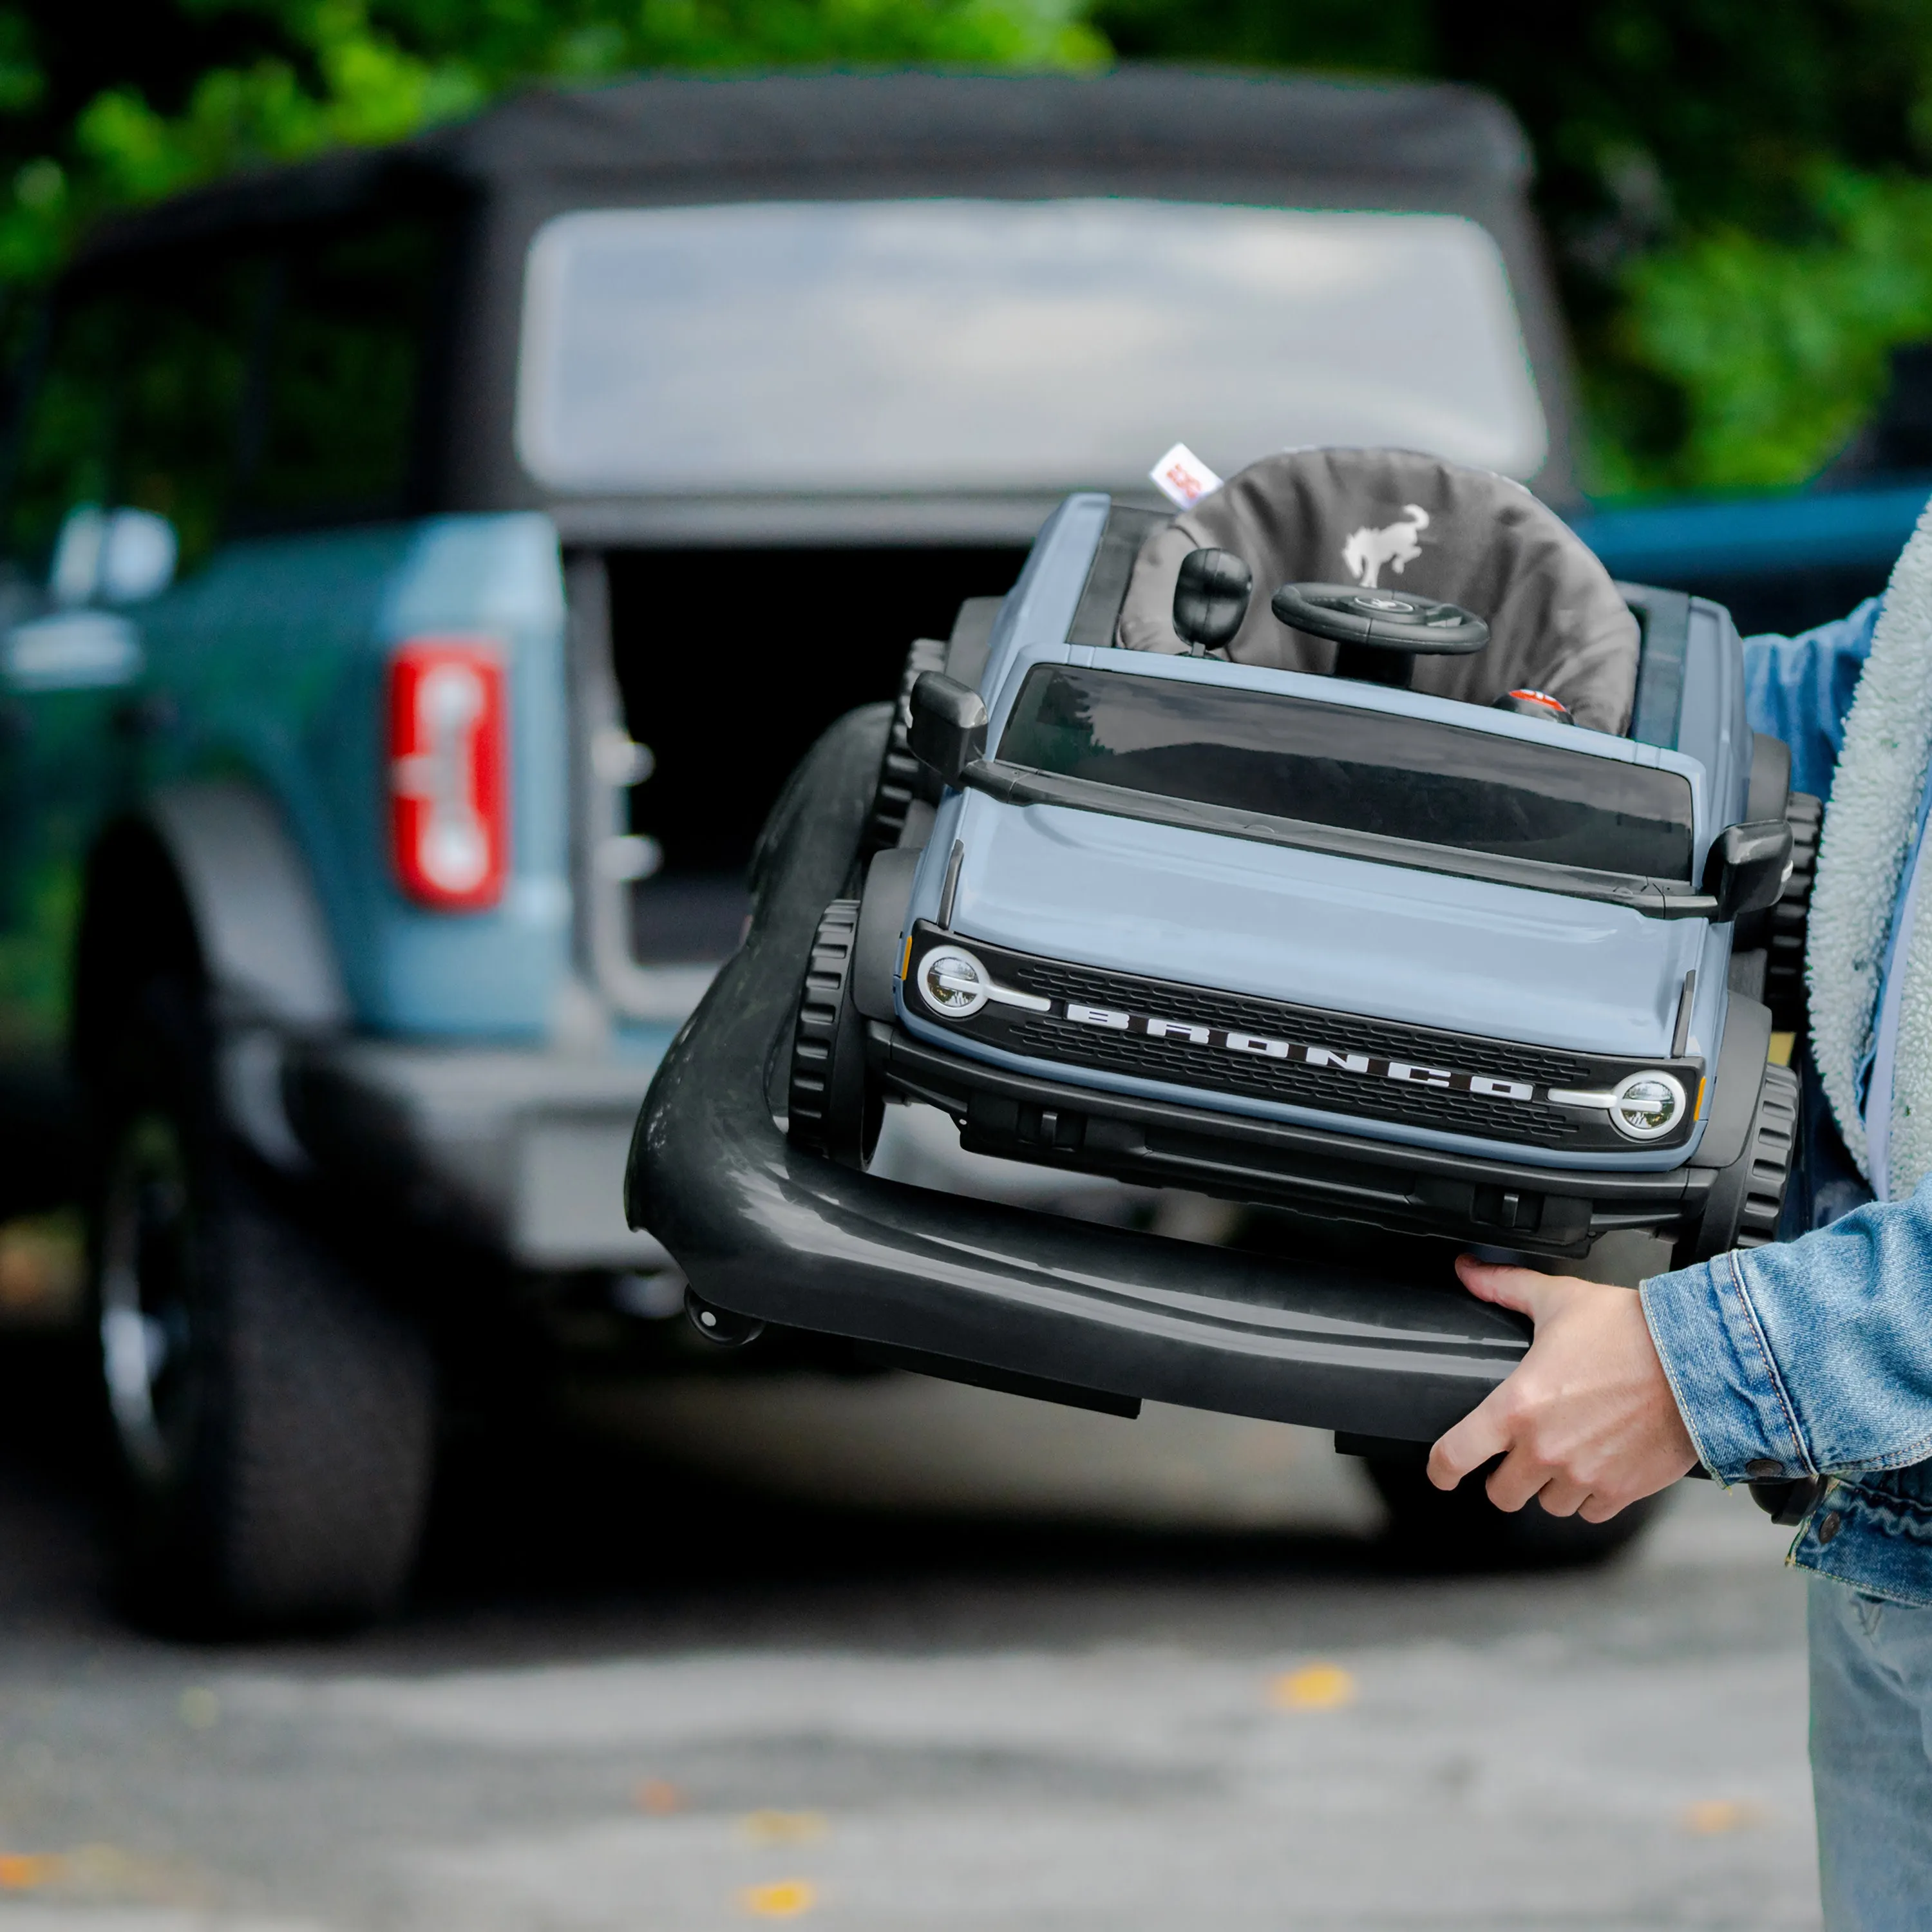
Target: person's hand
{"points": [[1586, 1422]]}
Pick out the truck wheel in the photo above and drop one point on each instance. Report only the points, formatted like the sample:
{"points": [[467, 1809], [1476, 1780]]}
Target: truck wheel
{"points": [[901, 777], [833, 1109], [1747, 1197], [1786, 922], [271, 1421], [1461, 1528]]}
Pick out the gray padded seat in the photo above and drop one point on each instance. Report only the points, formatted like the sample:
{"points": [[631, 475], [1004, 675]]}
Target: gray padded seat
{"points": [[1407, 522]]}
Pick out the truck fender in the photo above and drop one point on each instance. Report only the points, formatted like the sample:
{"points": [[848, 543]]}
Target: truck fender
{"points": [[1770, 777], [1742, 1056], [882, 921], [265, 945]]}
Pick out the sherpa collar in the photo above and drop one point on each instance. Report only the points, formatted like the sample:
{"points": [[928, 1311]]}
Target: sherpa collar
{"points": [[1869, 831]]}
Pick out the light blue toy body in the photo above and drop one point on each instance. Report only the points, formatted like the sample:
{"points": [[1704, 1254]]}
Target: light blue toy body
{"points": [[1466, 956]]}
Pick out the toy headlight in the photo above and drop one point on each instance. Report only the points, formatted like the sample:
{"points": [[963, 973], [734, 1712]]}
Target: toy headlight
{"points": [[1644, 1105], [953, 983]]}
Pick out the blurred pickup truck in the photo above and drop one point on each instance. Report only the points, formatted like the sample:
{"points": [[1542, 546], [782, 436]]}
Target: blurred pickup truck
{"points": [[425, 566]]}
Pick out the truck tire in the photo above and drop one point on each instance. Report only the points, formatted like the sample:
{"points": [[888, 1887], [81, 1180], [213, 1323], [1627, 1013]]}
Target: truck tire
{"points": [[1461, 1529], [270, 1421], [902, 778], [1786, 924], [1747, 1198], [833, 1107]]}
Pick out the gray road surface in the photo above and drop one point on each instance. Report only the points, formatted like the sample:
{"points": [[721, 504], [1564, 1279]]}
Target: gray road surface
{"points": [[889, 1654]]}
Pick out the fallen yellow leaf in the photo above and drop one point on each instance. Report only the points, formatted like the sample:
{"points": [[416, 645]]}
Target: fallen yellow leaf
{"points": [[783, 1828], [658, 1795], [96, 1865], [24, 1871], [200, 1707], [784, 1898], [1315, 1687], [1708, 1816]]}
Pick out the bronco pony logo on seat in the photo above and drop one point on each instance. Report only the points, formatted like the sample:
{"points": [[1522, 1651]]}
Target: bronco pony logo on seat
{"points": [[1368, 550]]}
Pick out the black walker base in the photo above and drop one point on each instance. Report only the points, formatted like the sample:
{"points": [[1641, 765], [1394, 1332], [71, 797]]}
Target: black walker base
{"points": [[1002, 1296]]}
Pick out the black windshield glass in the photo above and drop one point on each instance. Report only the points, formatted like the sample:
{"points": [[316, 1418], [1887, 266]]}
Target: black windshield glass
{"points": [[1370, 772]]}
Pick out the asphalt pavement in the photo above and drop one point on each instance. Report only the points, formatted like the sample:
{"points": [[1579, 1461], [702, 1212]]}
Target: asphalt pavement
{"points": [[888, 1654]]}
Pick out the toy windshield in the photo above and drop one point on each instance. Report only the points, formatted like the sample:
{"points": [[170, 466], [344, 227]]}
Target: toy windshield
{"points": [[1376, 772]]}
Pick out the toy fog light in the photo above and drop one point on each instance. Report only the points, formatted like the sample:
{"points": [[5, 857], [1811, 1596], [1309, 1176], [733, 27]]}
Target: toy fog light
{"points": [[953, 983], [1644, 1105]]}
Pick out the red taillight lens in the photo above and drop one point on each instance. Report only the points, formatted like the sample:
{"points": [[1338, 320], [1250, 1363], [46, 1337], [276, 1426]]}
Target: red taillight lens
{"points": [[449, 804]]}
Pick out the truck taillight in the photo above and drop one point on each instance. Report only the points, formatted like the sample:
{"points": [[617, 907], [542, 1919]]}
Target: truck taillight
{"points": [[449, 801]]}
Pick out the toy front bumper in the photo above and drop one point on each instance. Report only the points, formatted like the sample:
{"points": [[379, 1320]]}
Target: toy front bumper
{"points": [[1023, 1116], [766, 1231]]}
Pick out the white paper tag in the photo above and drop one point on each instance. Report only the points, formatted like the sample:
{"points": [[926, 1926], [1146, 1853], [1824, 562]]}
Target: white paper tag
{"points": [[1183, 478]]}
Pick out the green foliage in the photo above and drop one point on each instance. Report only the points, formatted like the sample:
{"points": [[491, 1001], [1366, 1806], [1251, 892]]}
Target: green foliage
{"points": [[1735, 189], [1392, 36], [35, 946], [1779, 348]]}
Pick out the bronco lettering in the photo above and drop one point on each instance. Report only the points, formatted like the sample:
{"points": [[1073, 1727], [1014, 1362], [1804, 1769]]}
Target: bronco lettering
{"points": [[1297, 1053]]}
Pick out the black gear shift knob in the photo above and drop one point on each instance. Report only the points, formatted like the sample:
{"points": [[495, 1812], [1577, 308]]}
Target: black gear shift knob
{"points": [[1210, 598]]}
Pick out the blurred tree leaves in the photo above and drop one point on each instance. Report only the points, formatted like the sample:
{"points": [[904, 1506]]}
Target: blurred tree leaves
{"points": [[1778, 348], [1737, 191]]}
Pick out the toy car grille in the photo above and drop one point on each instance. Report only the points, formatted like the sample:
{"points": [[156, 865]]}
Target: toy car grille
{"points": [[1524, 1116], [1321, 1088], [1505, 1059]]}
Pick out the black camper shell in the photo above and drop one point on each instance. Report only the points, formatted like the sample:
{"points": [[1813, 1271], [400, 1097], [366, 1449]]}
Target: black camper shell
{"points": [[489, 184]]}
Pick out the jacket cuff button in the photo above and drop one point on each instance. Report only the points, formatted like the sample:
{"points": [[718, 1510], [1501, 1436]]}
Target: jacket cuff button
{"points": [[1760, 1467], [1830, 1527]]}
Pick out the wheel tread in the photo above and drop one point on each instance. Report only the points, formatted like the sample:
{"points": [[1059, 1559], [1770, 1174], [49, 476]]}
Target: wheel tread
{"points": [[815, 1036], [902, 778], [331, 1431], [1774, 1148], [1789, 919], [298, 1480]]}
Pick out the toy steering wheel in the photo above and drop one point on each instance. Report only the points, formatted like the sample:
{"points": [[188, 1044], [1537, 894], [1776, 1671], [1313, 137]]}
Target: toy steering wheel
{"points": [[1386, 620]]}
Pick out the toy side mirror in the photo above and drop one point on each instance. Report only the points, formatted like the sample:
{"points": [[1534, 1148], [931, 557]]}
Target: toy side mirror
{"points": [[949, 724], [1747, 867], [1210, 598]]}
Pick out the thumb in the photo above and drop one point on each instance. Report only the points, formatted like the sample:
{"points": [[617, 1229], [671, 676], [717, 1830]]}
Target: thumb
{"points": [[1521, 1289]]}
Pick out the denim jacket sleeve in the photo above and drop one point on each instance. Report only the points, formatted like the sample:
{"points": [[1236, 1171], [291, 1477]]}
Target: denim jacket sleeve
{"points": [[1812, 1355], [1800, 688]]}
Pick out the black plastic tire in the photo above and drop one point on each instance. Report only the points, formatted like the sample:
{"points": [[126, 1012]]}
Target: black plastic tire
{"points": [[1461, 1529], [1786, 925], [832, 1107], [1747, 1198], [271, 1421], [902, 778]]}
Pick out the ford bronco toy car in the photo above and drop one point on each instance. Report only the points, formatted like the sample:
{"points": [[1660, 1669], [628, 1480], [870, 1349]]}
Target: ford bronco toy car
{"points": [[1349, 900], [1345, 899]]}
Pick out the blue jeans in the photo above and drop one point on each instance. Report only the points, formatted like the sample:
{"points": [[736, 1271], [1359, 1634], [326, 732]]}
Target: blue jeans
{"points": [[1871, 1759]]}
